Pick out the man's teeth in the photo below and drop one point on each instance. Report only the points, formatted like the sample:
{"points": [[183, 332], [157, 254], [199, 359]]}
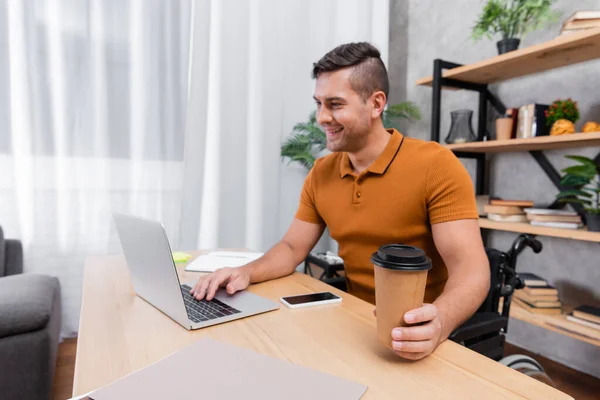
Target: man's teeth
{"points": [[337, 130]]}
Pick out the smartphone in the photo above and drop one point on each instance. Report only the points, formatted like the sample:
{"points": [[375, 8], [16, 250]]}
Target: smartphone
{"points": [[310, 299]]}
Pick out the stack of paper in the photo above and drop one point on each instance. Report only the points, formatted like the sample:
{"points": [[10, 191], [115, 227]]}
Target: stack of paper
{"points": [[219, 259]]}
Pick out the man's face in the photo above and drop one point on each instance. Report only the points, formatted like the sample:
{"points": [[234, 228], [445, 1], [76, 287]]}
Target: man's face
{"points": [[341, 112]]}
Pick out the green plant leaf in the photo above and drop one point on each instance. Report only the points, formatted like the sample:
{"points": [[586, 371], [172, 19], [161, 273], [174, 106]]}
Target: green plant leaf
{"points": [[573, 192], [407, 109], [583, 160], [573, 200], [573, 180], [584, 171]]}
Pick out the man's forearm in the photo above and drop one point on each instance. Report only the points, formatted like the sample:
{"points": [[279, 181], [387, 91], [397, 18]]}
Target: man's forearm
{"points": [[462, 296], [279, 261]]}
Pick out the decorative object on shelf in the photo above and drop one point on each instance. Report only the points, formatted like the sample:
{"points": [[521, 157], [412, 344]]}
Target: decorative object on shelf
{"points": [[308, 140], [504, 127], [461, 129], [591, 126], [562, 127], [585, 182], [562, 109], [580, 21], [532, 121], [513, 19]]}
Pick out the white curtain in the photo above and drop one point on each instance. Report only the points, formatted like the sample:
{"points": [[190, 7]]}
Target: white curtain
{"points": [[173, 110]]}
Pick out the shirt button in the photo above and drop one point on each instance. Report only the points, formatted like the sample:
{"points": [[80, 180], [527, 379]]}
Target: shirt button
{"points": [[358, 195]]}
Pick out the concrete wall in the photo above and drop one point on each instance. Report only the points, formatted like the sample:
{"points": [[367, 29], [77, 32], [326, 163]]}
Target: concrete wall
{"points": [[423, 30]]}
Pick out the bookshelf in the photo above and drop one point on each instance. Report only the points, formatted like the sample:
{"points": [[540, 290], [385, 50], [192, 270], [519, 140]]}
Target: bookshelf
{"points": [[574, 140], [556, 323], [558, 52], [523, 227]]}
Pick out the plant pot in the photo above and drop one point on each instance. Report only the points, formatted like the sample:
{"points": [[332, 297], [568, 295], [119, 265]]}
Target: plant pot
{"points": [[593, 222], [506, 45]]}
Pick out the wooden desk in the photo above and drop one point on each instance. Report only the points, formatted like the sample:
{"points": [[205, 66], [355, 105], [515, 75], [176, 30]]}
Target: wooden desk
{"points": [[120, 333]]}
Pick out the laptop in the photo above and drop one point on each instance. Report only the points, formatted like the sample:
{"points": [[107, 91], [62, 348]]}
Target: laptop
{"points": [[154, 277]]}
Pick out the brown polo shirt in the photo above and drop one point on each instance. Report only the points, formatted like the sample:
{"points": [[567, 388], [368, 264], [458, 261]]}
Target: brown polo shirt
{"points": [[412, 185]]}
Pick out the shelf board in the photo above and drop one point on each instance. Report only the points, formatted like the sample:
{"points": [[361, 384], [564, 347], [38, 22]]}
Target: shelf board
{"points": [[556, 323], [587, 139], [522, 227], [559, 52]]}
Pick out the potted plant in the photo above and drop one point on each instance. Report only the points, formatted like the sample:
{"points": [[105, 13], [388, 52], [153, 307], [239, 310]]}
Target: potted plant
{"points": [[512, 19], [584, 183], [308, 140], [561, 115]]}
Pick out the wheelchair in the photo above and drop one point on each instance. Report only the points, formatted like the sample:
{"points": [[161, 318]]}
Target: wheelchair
{"points": [[486, 330]]}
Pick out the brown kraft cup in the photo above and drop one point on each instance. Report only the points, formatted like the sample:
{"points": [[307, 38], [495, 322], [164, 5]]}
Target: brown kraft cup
{"points": [[400, 280]]}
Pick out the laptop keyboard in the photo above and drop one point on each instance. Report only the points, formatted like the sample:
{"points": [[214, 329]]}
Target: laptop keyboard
{"points": [[202, 310]]}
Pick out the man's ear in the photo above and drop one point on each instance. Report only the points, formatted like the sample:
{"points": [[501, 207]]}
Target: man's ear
{"points": [[379, 100]]}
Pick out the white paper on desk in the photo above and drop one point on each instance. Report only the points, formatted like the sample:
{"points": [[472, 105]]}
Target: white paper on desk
{"points": [[218, 259]]}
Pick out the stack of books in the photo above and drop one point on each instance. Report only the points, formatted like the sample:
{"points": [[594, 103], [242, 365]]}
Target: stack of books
{"points": [[586, 315], [507, 210], [538, 296], [553, 218], [581, 21]]}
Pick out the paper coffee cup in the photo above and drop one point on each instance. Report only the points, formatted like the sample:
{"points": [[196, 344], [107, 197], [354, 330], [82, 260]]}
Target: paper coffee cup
{"points": [[400, 280]]}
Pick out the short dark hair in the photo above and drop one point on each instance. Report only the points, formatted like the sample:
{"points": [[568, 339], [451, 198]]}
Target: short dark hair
{"points": [[369, 73]]}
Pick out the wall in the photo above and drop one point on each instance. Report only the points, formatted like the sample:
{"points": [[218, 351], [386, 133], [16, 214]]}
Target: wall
{"points": [[423, 30]]}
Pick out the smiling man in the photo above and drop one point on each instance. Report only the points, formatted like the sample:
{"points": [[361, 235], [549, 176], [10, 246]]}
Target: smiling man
{"points": [[379, 187]]}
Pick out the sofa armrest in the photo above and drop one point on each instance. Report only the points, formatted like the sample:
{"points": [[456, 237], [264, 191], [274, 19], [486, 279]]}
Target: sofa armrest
{"points": [[13, 257]]}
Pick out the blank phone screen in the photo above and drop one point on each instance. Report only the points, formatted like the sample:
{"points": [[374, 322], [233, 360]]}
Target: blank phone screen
{"points": [[310, 298]]}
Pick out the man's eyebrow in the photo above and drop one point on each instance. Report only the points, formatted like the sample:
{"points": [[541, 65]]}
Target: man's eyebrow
{"points": [[331, 99]]}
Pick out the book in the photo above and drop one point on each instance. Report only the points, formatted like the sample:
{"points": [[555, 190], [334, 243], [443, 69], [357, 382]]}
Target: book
{"points": [[582, 24], [574, 219], [588, 313], [541, 304], [561, 225], [582, 15], [507, 218], [537, 310], [571, 327], [532, 121], [548, 211], [583, 322], [542, 291], [532, 280], [218, 259], [503, 210], [522, 294], [513, 203]]}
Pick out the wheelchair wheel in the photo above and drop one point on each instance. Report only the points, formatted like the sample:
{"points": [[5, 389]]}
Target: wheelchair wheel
{"points": [[527, 366]]}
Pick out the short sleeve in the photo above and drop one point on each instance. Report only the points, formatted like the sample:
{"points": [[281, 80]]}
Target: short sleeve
{"points": [[449, 190], [307, 209]]}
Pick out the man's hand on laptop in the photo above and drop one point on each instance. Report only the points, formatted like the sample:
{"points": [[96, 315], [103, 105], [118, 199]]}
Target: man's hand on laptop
{"points": [[233, 279]]}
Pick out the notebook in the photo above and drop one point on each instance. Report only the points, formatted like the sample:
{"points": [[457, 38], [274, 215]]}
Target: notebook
{"points": [[218, 259], [210, 369]]}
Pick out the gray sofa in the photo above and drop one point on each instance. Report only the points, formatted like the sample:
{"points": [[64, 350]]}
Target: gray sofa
{"points": [[30, 314]]}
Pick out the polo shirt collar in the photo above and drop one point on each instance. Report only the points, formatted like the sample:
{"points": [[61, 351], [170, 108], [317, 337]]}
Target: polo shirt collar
{"points": [[380, 165]]}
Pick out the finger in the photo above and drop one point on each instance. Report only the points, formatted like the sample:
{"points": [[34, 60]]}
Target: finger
{"points": [[413, 347], [411, 356], [413, 333], [200, 290], [235, 284], [198, 284], [421, 314], [220, 280]]}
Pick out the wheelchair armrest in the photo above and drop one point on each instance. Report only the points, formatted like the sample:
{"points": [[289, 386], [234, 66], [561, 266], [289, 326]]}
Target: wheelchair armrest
{"points": [[338, 283], [479, 324]]}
